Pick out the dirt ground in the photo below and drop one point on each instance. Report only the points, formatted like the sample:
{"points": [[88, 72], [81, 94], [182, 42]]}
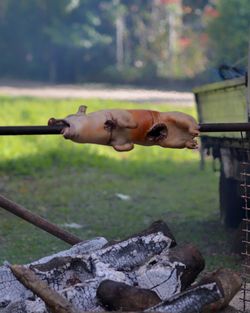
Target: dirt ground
{"points": [[237, 305], [102, 91]]}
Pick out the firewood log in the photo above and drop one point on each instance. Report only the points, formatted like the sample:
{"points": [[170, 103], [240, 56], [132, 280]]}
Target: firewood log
{"points": [[77, 277], [229, 283], [55, 302], [121, 129], [116, 296], [192, 300], [162, 276], [155, 227], [172, 271], [131, 253], [158, 226], [193, 260], [51, 269]]}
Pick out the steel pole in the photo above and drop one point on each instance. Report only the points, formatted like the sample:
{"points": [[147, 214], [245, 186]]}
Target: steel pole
{"points": [[38, 221], [30, 130], [55, 130], [224, 127]]}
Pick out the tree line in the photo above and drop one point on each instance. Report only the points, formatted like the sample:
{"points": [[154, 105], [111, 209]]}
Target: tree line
{"points": [[116, 40]]}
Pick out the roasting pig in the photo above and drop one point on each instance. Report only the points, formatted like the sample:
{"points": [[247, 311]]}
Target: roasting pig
{"points": [[121, 129]]}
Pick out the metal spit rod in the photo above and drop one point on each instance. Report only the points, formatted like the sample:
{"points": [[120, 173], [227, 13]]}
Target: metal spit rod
{"points": [[30, 130], [55, 130], [38, 221], [224, 127]]}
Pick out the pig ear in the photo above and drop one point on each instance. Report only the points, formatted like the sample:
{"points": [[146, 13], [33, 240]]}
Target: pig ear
{"points": [[82, 109]]}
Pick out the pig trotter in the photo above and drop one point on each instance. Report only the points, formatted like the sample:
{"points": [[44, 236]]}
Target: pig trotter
{"points": [[123, 148]]}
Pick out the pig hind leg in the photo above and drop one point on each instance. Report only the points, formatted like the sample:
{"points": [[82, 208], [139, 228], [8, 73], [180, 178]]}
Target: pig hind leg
{"points": [[124, 147]]}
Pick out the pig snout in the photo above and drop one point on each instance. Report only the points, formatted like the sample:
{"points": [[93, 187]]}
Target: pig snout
{"points": [[61, 122]]}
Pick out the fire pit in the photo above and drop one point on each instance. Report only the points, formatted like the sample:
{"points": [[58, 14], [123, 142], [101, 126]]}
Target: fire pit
{"points": [[148, 271]]}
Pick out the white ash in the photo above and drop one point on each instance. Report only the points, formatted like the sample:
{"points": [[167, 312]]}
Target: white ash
{"points": [[77, 272], [161, 276]]}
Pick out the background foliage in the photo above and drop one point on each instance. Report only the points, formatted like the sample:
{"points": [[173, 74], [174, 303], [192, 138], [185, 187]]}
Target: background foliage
{"points": [[230, 33], [114, 40]]}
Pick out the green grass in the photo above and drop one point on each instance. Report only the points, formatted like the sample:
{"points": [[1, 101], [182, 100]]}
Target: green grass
{"points": [[66, 182]]}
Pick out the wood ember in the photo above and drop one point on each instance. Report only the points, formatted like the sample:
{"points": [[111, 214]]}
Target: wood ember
{"points": [[147, 270]]}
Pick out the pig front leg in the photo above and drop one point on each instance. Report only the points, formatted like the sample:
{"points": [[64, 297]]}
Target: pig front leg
{"points": [[123, 148], [119, 124]]}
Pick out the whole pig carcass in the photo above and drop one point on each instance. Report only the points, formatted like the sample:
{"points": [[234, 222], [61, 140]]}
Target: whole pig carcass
{"points": [[121, 129]]}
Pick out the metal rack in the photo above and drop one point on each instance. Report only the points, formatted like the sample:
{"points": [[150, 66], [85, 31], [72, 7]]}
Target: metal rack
{"points": [[245, 195]]}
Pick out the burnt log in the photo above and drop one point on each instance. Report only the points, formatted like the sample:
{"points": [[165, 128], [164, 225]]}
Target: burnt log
{"points": [[140, 273], [155, 227], [191, 300], [77, 277], [172, 271], [229, 283], [163, 276], [158, 226], [116, 296], [15, 297], [129, 254], [193, 260]]}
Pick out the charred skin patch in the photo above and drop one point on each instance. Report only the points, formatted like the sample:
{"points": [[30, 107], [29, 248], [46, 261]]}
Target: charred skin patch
{"points": [[57, 122], [157, 133], [110, 125]]}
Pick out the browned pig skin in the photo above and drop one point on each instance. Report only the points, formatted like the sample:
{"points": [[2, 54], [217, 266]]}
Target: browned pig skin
{"points": [[121, 129]]}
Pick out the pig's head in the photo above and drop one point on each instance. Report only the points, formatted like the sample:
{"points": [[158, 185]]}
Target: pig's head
{"points": [[72, 124]]}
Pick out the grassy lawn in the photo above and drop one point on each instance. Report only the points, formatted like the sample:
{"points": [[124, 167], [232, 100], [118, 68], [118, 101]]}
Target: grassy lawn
{"points": [[70, 183]]}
